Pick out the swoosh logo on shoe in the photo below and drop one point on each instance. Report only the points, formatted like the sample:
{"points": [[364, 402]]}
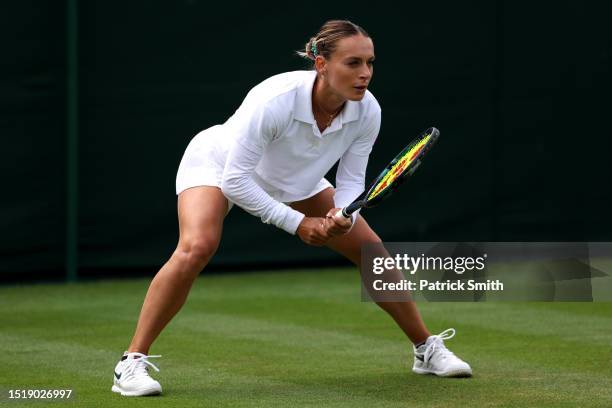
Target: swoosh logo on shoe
{"points": [[118, 376], [416, 355]]}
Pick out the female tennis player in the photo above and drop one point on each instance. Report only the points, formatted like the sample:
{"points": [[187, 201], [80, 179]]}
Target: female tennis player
{"points": [[270, 158]]}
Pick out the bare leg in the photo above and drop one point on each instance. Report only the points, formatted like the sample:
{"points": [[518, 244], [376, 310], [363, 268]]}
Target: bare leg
{"points": [[405, 314], [201, 211]]}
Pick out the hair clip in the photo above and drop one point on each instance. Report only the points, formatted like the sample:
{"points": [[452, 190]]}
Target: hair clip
{"points": [[313, 48]]}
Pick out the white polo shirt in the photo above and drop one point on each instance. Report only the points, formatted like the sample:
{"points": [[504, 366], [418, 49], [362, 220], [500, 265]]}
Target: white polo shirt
{"points": [[273, 142]]}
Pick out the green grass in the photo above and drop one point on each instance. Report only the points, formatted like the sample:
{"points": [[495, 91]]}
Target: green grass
{"points": [[300, 338]]}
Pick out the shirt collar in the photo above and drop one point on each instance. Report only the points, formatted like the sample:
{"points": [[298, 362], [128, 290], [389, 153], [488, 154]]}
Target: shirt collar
{"points": [[303, 103]]}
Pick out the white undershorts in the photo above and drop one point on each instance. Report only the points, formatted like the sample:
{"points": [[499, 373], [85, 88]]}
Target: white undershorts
{"points": [[203, 163]]}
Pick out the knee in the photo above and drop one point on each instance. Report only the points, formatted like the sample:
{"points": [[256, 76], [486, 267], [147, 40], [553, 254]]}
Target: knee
{"points": [[374, 241], [373, 245], [195, 253]]}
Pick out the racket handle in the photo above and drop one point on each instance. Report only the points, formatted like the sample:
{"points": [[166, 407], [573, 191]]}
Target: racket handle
{"points": [[341, 213], [347, 211]]}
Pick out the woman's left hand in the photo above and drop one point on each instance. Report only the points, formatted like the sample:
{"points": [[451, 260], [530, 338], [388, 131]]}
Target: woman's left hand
{"points": [[337, 225]]}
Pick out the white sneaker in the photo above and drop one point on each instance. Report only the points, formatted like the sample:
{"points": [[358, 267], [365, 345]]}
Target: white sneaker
{"points": [[434, 358], [132, 378]]}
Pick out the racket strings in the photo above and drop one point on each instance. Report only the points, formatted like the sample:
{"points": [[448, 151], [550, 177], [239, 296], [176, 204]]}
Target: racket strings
{"points": [[399, 166]]}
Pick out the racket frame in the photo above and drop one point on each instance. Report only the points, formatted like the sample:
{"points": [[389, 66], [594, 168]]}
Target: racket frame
{"points": [[363, 202]]}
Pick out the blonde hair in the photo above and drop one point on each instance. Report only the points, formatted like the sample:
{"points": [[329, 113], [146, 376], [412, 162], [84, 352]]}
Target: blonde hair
{"points": [[325, 41]]}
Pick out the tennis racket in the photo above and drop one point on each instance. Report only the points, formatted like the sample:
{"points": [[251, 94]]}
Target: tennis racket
{"points": [[396, 172]]}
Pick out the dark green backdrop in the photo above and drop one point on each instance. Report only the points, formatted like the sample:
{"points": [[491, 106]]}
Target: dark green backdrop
{"points": [[519, 90]]}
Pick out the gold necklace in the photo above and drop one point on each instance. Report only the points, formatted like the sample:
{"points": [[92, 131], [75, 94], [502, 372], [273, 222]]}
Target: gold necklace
{"points": [[332, 116]]}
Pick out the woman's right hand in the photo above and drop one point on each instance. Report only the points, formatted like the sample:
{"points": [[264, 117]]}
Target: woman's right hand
{"points": [[312, 231]]}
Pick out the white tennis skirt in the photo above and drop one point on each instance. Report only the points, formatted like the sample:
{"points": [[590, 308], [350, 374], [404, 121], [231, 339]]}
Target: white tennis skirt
{"points": [[203, 162]]}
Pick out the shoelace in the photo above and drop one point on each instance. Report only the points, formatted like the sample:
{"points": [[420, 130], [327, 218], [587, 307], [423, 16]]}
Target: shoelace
{"points": [[139, 365], [438, 345]]}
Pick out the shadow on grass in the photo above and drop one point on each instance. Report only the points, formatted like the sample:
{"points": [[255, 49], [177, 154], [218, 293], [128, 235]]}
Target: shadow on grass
{"points": [[385, 389]]}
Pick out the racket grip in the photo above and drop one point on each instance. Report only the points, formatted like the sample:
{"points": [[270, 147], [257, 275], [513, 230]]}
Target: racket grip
{"points": [[341, 213], [348, 211]]}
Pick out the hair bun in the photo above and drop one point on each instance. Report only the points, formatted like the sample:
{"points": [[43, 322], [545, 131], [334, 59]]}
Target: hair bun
{"points": [[324, 42]]}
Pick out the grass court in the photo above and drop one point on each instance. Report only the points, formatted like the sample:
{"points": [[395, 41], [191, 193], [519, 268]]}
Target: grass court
{"points": [[299, 339]]}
